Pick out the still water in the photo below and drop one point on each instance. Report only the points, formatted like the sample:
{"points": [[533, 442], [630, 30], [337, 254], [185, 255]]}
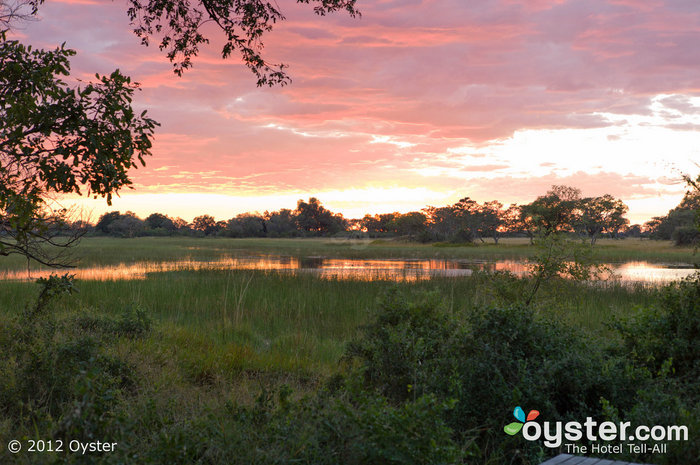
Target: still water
{"points": [[362, 269]]}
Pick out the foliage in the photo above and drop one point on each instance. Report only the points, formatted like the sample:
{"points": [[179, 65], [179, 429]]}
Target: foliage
{"points": [[52, 287], [13, 11], [410, 224], [464, 222], [558, 256], [685, 235], [58, 139], [133, 322], [313, 218], [280, 223], [158, 221], [415, 347], [600, 215], [246, 225], [243, 23], [56, 376], [668, 332], [346, 429], [395, 347], [378, 224], [554, 211], [433, 380], [321, 429], [683, 216]]}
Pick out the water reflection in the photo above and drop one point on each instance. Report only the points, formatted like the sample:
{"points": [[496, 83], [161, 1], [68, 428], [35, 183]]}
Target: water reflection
{"points": [[358, 269], [646, 272]]}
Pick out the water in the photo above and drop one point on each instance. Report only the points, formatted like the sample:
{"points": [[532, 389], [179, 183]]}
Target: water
{"points": [[341, 268]]}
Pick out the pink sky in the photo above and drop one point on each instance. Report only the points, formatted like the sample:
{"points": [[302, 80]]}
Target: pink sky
{"points": [[419, 102]]}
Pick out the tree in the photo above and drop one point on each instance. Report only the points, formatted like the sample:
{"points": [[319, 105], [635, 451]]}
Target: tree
{"points": [[160, 222], [13, 11], [127, 225], [601, 215], [314, 218], [409, 224], [554, 211], [560, 257], [205, 224], [105, 221], [634, 230], [181, 24], [515, 222], [280, 223], [246, 225], [491, 219], [378, 224], [682, 217], [57, 139], [442, 222]]}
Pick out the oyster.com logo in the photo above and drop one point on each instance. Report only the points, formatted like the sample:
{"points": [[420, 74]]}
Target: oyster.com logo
{"points": [[515, 427], [601, 438]]}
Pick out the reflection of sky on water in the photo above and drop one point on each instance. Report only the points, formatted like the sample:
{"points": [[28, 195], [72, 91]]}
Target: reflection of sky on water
{"points": [[651, 273], [359, 269]]}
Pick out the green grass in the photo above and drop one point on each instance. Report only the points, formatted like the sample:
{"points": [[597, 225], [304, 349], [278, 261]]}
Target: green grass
{"points": [[257, 320], [236, 320]]}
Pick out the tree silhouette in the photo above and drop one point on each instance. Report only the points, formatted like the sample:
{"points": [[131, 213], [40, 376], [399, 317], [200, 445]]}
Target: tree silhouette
{"points": [[181, 24], [57, 139]]}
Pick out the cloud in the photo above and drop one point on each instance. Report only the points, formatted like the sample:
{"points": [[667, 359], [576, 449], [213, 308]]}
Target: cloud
{"points": [[412, 92]]}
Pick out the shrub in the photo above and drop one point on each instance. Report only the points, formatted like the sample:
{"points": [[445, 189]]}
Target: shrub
{"points": [[322, 429], [55, 378], [406, 334], [667, 332], [685, 235], [132, 322], [488, 360]]}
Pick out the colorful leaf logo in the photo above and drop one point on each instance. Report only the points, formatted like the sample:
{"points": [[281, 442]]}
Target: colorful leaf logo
{"points": [[515, 427]]}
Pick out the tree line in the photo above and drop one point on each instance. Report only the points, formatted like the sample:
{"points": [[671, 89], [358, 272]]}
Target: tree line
{"points": [[561, 209], [680, 224]]}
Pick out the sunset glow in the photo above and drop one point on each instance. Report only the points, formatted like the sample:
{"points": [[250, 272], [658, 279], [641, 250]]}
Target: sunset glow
{"points": [[417, 103]]}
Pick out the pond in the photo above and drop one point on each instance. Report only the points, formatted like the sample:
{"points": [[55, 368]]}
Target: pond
{"points": [[362, 269]]}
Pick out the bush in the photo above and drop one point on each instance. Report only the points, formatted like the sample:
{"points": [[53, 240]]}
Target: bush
{"points": [[132, 322], [685, 235], [668, 332], [406, 334], [56, 381], [322, 429], [488, 360]]}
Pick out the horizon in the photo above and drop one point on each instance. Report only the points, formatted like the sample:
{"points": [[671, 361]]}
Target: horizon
{"points": [[410, 106], [88, 217]]}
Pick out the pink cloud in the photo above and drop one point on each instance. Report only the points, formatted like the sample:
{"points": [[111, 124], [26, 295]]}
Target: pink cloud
{"points": [[430, 74]]}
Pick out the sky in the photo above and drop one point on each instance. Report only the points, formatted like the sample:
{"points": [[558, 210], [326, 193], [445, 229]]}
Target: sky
{"points": [[416, 103]]}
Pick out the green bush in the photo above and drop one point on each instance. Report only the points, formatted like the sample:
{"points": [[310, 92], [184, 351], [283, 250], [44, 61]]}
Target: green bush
{"points": [[56, 379], [685, 235], [488, 360], [407, 333], [322, 429], [667, 332], [131, 323]]}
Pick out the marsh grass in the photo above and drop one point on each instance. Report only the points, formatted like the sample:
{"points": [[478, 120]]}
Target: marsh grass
{"points": [[237, 320], [95, 251]]}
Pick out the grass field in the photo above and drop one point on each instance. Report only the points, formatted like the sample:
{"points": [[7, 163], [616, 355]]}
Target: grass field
{"points": [[220, 336], [267, 320], [288, 322]]}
